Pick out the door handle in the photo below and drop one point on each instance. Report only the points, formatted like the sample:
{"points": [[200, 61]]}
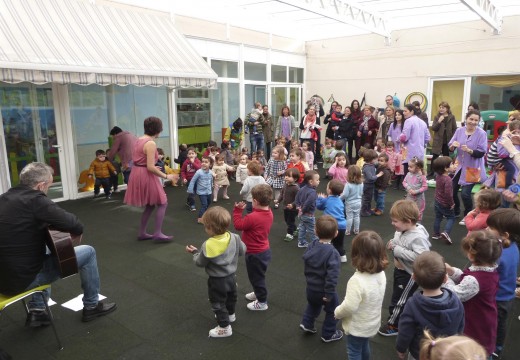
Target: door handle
{"points": [[57, 146]]}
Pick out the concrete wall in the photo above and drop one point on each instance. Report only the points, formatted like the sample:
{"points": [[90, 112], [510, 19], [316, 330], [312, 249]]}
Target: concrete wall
{"points": [[348, 67]]}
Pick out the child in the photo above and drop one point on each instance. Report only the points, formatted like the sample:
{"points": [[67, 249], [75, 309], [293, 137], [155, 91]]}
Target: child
{"points": [[202, 185], [486, 200], [309, 156], [339, 169], [188, 170], [295, 157], [361, 160], [242, 169], [102, 169], [261, 158], [338, 149], [213, 152], [444, 203], [434, 308], [114, 178], [225, 150], [220, 174], [295, 144], [505, 223], [288, 197], [395, 164], [253, 179], [183, 155], [255, 230], [282, 142], [452, 348], [333, 205], [415, 184], [327, 160], [306, 204], [360, 311], [352, 194], [219, 256], [160, 162], [275, 171], [380, 146], [370, 177], [321, 269], [381, 184], [410, 240], [335, 119], [254, 117], [477, 287]]}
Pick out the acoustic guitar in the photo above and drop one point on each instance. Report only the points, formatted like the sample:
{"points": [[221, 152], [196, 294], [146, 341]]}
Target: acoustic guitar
{"points": [[61, 245]]}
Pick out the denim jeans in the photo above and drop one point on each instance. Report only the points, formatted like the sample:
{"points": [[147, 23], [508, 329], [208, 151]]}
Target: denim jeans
{"points": [[257, 142], [306, 227], [205, 200], [126, 175], [465, 194], [358, 348], [88, 272], [379, 198], [352, 211], [441, 212], [314, 304]]}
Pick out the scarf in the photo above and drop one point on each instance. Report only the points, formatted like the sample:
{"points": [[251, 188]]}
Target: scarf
{"points": [[309, 119], [286, 127]]}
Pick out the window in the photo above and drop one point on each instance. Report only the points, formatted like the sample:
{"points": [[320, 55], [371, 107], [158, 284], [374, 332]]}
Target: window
{"points": [[225, 69], [296, 75], [255, 71], [278, 73]]}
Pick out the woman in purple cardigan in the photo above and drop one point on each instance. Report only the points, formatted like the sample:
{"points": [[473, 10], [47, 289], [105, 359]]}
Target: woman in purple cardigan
{"points": [[471, 144], [414, 137]]}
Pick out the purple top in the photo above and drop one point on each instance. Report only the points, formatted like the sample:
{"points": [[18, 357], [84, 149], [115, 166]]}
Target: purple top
{"points": [[476, 141], [504, 155], [393, 134], [415, 135]]}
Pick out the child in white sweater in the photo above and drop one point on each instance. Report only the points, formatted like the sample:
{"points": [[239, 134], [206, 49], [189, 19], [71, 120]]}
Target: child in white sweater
{"points": [[360, 312]]}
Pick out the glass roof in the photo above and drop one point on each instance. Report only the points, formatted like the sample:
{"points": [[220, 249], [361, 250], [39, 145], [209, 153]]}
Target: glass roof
{"points": [[305, 20]]}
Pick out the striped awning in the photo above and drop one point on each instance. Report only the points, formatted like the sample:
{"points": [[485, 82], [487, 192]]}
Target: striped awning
{"points": [[77, 42]]}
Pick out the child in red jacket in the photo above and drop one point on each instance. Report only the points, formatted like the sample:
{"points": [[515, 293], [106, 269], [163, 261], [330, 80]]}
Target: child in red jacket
{"points": [[486, 200]]}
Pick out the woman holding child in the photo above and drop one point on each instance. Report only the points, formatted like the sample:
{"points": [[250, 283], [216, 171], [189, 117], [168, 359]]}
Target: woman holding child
{"points": [[310, 129]]}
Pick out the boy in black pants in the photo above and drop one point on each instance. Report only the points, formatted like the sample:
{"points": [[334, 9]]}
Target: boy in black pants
{"points": [[288, 196]]}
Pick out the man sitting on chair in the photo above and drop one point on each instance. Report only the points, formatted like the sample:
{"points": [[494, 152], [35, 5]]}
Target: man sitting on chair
{"points": [[25, 214]]}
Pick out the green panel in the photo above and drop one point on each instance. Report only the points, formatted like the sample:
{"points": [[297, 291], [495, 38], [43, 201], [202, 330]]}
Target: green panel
{"points": [[194, 135]]}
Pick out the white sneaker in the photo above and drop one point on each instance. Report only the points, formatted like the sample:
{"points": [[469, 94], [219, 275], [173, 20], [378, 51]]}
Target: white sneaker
{"points": [[462, 222], [257, 306], [343, 258], [220, 332], [251, 296]]}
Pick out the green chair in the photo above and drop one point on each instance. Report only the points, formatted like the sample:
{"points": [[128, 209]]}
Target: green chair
{"points": [[5, 301]]}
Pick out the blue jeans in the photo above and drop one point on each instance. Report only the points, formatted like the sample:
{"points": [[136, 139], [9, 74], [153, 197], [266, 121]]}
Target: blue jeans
{"points": [[379, 198], [352, 211], [205, 200], [257, 142], [465, 194], [441, 212], [358, 348], [88, 272], [306, 226], [126, 176], [314, 304]]}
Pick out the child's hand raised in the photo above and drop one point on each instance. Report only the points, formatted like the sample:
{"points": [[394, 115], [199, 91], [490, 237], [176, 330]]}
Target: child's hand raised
{"points": [[241, 205]]}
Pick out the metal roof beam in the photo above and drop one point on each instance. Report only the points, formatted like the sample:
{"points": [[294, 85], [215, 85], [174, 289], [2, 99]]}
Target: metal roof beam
{"points": [[487, 12], [346, 12]]}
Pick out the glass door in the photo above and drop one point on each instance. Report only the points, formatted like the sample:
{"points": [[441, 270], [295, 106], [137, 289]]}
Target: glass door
{"points": [[29, 127], [455, 91], [280, 95]]}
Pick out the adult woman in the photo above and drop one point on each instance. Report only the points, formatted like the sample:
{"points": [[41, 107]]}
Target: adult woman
{"points": [[395, 129], [285, 127], [443, 127], [367, 129], [414, 137], [385, 121], [329, 133], [471, 144], [144, 187], [235, 134], [309, 128], [347, 131]]}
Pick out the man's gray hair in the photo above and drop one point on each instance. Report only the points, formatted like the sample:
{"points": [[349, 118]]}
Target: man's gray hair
{"points": [[35, 173]]}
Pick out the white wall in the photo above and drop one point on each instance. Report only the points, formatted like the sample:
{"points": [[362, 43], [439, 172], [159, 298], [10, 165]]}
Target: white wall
{"points": [[348, 67]]}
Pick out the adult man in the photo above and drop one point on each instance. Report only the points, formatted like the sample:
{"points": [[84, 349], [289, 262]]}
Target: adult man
{"points": [[255, 122], [25, 214], [123, 145], [268, 131], [419, 113]]}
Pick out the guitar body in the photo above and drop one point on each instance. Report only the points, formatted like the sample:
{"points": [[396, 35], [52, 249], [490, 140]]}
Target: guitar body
{"points": [[60, 244]]}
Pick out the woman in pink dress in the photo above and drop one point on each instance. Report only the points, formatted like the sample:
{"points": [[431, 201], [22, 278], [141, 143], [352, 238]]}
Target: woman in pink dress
{"points": [[145, 188]]}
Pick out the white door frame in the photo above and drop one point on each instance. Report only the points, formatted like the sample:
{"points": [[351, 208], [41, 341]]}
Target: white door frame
{"points": [[5, 181], [465, 101], [287, 94]]}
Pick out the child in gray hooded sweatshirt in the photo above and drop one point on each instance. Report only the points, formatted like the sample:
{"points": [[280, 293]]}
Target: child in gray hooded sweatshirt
{"points": [[219, 255]]}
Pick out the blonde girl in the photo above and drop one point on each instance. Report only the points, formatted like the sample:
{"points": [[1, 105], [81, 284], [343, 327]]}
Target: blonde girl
{"points": [[486, 200], [220, 175], [360, 311], [352, 194], [275, 171], [456, 347], [309, 155], [242, 168], [415, 184]]}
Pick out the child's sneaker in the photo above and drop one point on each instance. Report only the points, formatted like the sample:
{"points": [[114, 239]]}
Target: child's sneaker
{"points": [[436, 236], [343, 258], [220, 332], [295, 234], [307, 330], [388, 330], [108, 196], [288, 237], [302, 244], [251, 296], [214, 199], [257, 306], [446, 238], [335, 337], [192, 208], [462, 222], [225, 197], [378, 212]]}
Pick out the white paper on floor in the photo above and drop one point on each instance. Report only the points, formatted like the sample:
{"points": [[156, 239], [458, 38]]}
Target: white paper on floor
{"points": [[76, 304], [51, 302]]}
